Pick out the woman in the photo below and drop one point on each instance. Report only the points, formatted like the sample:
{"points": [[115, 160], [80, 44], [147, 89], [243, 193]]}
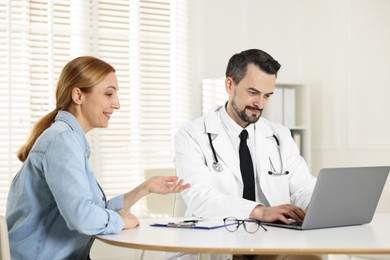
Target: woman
{"points": [[55, 204]]}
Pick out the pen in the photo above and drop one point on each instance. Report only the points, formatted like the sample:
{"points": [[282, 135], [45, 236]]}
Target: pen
{"points": [[191, 221], [187, 224]]}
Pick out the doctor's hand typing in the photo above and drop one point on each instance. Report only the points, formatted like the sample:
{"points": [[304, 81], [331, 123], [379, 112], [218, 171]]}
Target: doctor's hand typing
{"points": [[281, 213]]}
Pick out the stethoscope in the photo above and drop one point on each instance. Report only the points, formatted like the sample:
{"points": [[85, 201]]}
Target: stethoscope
{"points": [[217, 166], [273, 171]]}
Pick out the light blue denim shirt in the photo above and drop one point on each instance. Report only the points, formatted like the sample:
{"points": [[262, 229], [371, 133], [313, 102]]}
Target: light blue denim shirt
{"points": [[55, 205]]}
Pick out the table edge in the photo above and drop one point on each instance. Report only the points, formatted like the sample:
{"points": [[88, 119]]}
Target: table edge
{"points": [[264, 251]]}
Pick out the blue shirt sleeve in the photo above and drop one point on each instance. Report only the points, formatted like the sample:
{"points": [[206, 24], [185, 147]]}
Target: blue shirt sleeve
{"points": [[65, 167], [116, 203]]}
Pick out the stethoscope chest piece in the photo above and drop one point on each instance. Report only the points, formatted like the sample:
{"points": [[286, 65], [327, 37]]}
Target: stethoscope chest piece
{"points": [[217, 167]]}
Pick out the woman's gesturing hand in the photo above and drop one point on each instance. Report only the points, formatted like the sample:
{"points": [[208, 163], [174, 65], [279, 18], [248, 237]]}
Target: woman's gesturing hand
{"points": [[165, 185]]}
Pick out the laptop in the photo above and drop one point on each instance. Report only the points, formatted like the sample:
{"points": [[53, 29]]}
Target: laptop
{"points": [[342, 197]]}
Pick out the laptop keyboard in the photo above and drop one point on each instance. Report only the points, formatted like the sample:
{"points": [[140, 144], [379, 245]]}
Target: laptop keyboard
{"points": [[293, 224], [297, 224]]}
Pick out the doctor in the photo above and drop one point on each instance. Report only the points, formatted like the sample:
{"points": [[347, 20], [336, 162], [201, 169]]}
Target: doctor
{"points": [[208, 153]]}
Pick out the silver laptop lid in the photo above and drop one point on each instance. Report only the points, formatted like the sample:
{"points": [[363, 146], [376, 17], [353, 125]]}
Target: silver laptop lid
{"points": [[345, 196]]}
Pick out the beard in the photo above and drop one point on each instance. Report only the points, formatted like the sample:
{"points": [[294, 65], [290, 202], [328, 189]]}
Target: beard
{"points": [[253, 118]]}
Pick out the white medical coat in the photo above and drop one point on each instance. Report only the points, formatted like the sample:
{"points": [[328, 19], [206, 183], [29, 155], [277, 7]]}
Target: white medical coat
{"points": [[219, 194]]}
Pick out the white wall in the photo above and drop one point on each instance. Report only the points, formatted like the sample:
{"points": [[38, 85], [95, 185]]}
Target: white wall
{"points": [[339, 48]]}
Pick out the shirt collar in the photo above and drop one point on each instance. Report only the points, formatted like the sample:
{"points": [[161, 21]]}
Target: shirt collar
{"points": [[232, 127], [72, 122]]}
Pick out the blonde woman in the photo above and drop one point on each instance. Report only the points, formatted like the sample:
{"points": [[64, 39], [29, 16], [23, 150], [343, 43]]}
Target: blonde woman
{"points": [[55, 204]]}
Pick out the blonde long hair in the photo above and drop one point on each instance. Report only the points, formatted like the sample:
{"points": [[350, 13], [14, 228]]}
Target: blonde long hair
{"points": [[83, 72]]}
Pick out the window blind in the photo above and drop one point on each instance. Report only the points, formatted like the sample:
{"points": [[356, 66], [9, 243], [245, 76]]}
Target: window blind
{"points": [[146, 41], [14, 91], [213, 93]]}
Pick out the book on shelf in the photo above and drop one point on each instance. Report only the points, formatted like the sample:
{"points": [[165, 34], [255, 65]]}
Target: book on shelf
{"points": [[289, 107], [298, 138], [281, 107], [274, 109]]}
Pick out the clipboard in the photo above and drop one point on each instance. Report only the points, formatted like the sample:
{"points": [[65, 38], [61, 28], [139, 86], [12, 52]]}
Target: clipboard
{"points": [[191, 224]]}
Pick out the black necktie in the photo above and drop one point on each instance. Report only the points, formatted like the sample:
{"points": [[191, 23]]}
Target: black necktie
{"points": [[246, 167]]}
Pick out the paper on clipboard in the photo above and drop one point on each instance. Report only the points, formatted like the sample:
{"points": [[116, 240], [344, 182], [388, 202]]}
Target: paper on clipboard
{"points": [[196, 224]]}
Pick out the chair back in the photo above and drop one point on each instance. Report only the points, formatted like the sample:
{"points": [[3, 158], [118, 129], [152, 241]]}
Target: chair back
{"points": [[4, 240], [159, 205]]}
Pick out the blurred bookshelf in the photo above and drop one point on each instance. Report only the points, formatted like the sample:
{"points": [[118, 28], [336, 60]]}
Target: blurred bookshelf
{"points": [[290, 106]]}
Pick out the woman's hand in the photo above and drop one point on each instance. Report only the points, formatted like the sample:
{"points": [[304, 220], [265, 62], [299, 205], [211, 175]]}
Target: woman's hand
{"points": [[156, 184], [129, 219], [165, 185]]}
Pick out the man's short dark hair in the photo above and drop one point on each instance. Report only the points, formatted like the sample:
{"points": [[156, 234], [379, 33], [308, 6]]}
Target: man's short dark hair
{"points": [[238, 64]]}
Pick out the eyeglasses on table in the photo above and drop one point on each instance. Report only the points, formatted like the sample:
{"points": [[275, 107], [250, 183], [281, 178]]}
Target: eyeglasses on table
{"points": [[250, 225]]}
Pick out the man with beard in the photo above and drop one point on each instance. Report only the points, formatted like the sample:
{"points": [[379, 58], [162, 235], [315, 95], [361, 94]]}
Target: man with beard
{"points": [[232, 156]]}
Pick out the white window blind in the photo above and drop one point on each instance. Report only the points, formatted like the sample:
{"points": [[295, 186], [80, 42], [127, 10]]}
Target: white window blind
{"points": [[213, 93], [14, 91], [146, 41]]}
